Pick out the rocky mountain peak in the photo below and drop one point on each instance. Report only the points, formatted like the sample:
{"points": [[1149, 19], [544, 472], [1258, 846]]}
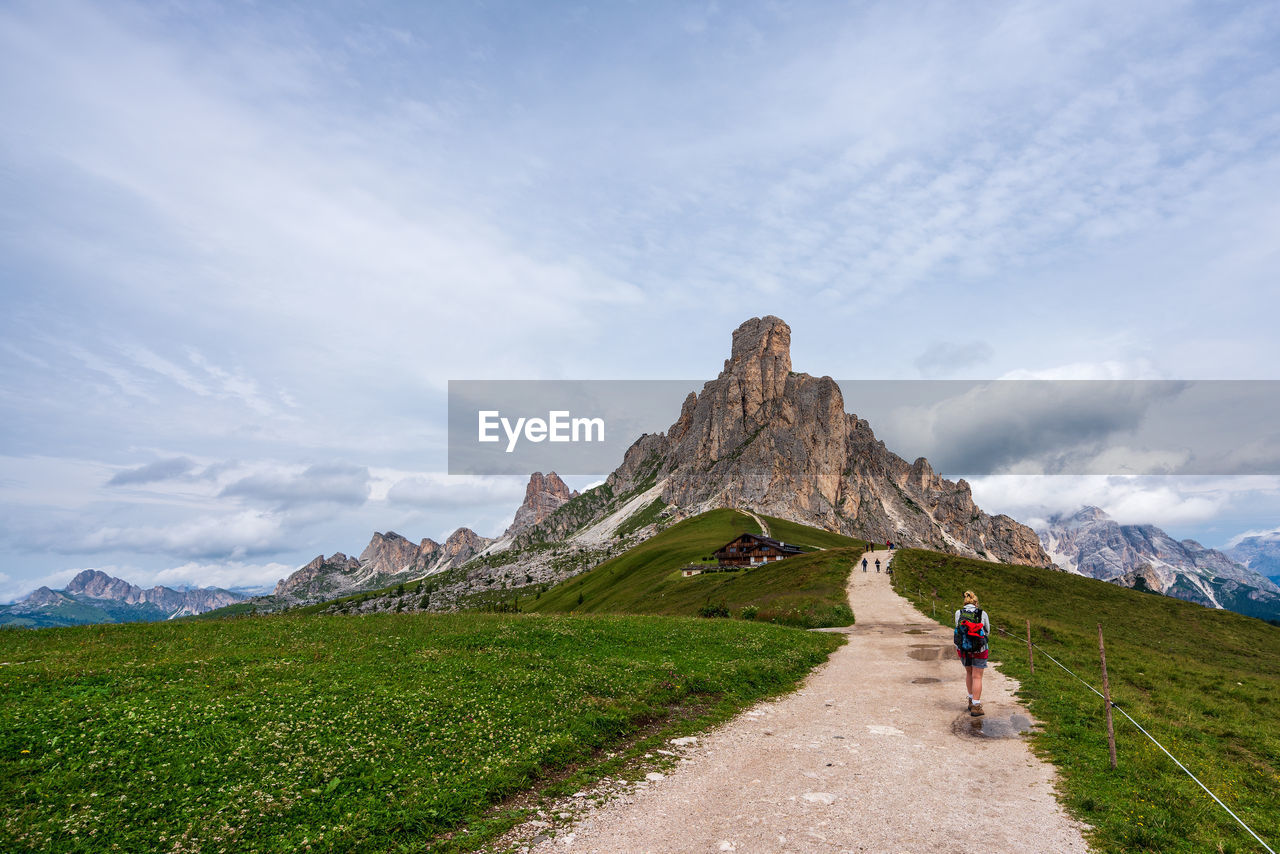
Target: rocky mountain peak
{"points": [[763, 437], [542, 497], [387, 554], [96, 583], [760, 357], [462, 544], [1084, 516], [43, 596]]}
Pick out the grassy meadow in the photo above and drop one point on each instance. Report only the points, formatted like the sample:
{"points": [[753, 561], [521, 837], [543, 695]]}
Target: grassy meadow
{"points": [[807, 537], [349, 734], [807, 591], [1202, 681]]}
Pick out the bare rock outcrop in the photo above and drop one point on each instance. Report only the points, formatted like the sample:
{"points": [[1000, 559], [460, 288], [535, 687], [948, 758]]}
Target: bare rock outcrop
{"points": [[462, 545], [319, 567], [542, 497], [388, 554]]}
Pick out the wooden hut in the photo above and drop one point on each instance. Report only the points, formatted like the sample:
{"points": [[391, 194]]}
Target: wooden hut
{"points": [[753, 550]]}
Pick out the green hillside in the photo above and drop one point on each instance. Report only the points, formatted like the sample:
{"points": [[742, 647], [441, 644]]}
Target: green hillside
{"points": [[348, 734], [807, 591], [807, 537], [1202, 681]]}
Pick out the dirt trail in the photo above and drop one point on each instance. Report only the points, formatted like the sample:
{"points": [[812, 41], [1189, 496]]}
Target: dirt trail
{"points": [[764, 529], [872, 754]]}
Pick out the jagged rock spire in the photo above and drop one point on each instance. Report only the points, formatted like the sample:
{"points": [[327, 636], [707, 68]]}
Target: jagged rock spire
{"points": [[542, 497]]}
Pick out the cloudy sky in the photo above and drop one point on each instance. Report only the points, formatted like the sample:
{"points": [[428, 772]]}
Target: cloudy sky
{"points": [[244, 247]]}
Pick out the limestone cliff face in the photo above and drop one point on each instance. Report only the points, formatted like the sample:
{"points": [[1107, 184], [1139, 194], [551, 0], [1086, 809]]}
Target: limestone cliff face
{"points": [[308, 576], [542, 497], [765, 438], [462, 545], [389, 558], [387, 554]]}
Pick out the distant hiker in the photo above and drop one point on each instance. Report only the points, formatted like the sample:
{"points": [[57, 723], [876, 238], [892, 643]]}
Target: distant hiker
{"points": [[973, 627], [877, 564], [864, 564]]}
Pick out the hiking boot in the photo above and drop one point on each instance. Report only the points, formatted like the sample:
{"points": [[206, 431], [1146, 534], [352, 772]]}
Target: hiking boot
{"points": [[976, 710], [970, 706]]}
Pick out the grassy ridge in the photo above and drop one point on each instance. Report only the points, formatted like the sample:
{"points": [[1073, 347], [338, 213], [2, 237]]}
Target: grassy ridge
{"points": [[806, 591], [803, 535], [339, 733], [1204, 682]]}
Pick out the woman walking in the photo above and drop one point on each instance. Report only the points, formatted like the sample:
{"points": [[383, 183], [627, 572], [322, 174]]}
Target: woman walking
{"points": [[973, 627]]}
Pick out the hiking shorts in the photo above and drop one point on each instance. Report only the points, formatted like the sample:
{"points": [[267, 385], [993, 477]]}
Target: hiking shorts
{"points": [[972, 660]]}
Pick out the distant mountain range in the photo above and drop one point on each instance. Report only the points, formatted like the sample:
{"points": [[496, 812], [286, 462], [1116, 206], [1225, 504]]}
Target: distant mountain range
{"points": [[95, 597], [1089, 542], [1259, 552]]}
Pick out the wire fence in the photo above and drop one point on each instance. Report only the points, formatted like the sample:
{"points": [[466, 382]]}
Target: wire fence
{"points": [[1139, 726]]}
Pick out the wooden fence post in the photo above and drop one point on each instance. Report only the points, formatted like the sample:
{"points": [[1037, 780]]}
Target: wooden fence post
{"points": [[1031, 659], [1106, 696]]}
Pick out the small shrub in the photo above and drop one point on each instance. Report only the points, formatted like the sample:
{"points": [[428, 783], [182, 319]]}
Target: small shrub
{"points": [[749, 612], [717, 609]]}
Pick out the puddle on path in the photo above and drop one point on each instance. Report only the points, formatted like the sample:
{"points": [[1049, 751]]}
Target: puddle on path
{"points": [[991, 726], [932, 653], [925, 680], [917, 631]]}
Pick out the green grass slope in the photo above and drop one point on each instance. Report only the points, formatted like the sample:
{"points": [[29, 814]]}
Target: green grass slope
{"points": [[807, 537], [806, 591], [1202, 681], [345, 734]]}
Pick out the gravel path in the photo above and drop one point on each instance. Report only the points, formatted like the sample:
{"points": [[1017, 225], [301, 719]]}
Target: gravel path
{"points": [[874, 753]]}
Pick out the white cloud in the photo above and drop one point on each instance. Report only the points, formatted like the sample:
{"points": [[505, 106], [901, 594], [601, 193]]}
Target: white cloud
{"points": [[17, 588], [1031, 427], [1271, 534], [233, 535], [328, 483], [442, 491], [1145, 500], [216, 574], [166, 469], [950, 357]]}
